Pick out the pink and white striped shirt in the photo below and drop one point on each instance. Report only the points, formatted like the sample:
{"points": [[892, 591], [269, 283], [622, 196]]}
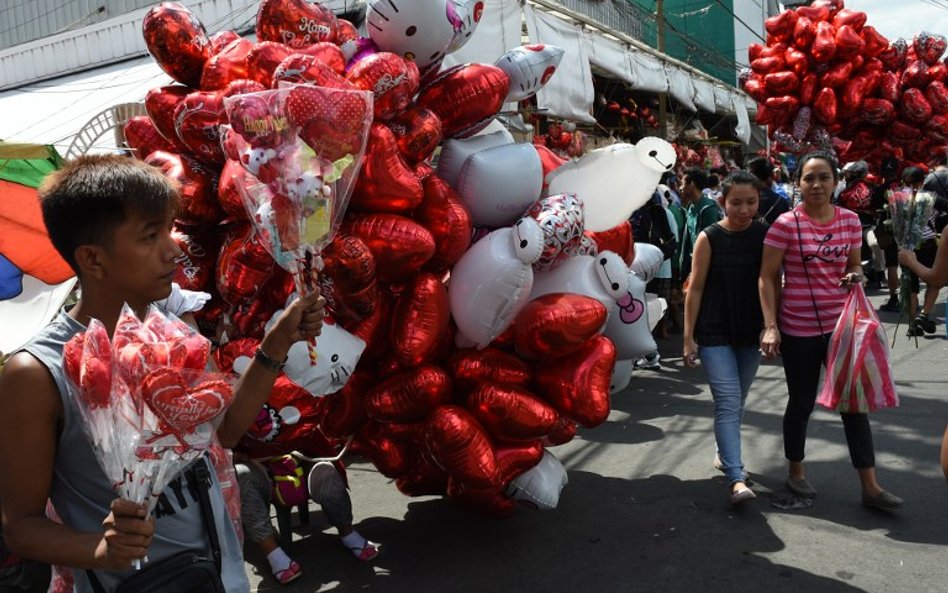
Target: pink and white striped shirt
{"points": [[826, 249]]}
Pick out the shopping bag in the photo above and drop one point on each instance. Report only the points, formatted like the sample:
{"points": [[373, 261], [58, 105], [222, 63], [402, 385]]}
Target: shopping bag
{"points": [[858, 378]]}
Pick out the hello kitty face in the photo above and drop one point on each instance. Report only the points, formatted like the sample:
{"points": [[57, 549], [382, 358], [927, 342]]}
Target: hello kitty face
{"points": [[417, 30], [463, 16], [529, 67], [266, 426], [656, 154]]}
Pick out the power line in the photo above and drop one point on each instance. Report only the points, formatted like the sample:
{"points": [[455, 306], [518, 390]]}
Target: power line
{"points": [[740, 20]]}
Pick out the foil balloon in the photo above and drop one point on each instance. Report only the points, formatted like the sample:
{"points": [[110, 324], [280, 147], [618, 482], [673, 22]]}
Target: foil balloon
{"points": [[449, 222], [393, 80], [648, 260], [348, 279], [263, 59], [374, 328], [488, 501], [560, 218], [529, 68], [241, 86], [197, 120], [243, 266], [327, 53], [229, 197], [409, 396], [417, 30], [577, 384], [386, 183], [418, 133], [498, 185], [540, 486], [464, 16], [563, 433], [488, 366], [143, 138], [160, 104], [226, 66], [621, 376], [178, 42], [629, 329], [929, 47], [618, 239], [344, 410], [307, 69], [334, 123], [466, 98], [399, 245], [295, 23], [511, 413], [455, 152], [194, 270], [420, 319], [614, 181], [459, 445], [491, 282], [556, 324], [387, 453], [198, 186], [603, 277], [222, 39], [514, 459]]}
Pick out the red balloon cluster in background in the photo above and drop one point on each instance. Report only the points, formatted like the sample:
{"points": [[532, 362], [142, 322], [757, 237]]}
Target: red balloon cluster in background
{"points": [[826, 80], [436, 418]]}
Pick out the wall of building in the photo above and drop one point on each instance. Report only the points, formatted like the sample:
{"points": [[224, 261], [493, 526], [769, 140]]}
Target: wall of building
{"points": [[27, 20]]}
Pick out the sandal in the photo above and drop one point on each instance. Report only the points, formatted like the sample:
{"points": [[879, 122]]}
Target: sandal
{"points": [[288, 574], [367, 551], [742, 495]]}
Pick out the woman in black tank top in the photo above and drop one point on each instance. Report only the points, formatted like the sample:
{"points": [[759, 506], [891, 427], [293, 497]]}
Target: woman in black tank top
{"points": [[723, 319]]}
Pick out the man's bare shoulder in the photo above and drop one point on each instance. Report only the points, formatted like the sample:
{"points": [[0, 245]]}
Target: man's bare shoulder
{"points": [[26, 379]]}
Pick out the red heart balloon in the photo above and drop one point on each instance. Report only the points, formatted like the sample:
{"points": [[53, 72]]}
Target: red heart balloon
{"points": [[195, 269], [780, 26], [392, 79], [307, 69], [878, 112], [422, 479], [618, 240], [161, 103], [823, 48], [837, 75], [228, 65], [264, 58], [197, 122], [916, 75], [915, 107], [809, 87], [848, 42], [776, 50], [852, 18], [260, 120], [938, 127], [514, 460], [143, 138], [511, 413], [929, 47], [345, 409], [180, 409], [328, 53], [824, 106], [797, 61], [781, 83], [243, 266], [817, 14], [489, 501], [563, 432], [178, 42], [241, 86], [409, 396], [348, 279], [755, 88], [876, 43], [449, 222], [390, 455], [557, 324], [386, 182], [854, 94], [459, 445], [901, 130], [221, 39], [418, 133], [753, 52], [421, 317], [893, 57], [804, 32], [374, 329], [490, 366], [937, 95], [466, 98], [938, 72], [890, 88], [577, 384], [198, 184], [332, 122], [295, 23], [783, 108], [228, 194]]}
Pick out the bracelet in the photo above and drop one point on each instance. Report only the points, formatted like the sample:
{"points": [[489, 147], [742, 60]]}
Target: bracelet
{"points": [[268, 363]]}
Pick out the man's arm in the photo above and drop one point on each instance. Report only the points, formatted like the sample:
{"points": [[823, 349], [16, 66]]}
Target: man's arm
{"points": [[30, 410]]}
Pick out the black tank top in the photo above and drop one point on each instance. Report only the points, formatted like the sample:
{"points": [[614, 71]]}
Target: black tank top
{"points": [[730, 312]]}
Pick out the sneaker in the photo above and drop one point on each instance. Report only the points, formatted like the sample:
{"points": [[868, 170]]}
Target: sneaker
{"points": [[922, 321], [649, 361], [742, 495], [914, 331], [288, 574], [891, 305]]}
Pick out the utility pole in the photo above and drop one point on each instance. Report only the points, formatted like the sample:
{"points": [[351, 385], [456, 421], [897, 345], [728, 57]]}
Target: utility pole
{"points": [[662, 97]]}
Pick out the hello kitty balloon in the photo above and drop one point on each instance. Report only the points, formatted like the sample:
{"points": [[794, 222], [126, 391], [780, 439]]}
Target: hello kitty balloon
{"points": [[418, 30], [529, 68], [629, 327], [466, 14], [614, 181], [491, 282]]}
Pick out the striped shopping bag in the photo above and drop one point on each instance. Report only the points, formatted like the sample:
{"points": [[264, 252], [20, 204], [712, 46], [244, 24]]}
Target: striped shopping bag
{"points": [[858, 378]]}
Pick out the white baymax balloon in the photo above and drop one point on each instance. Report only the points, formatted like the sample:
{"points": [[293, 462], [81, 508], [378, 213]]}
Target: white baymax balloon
{"points": [[466, 15], [455, 151], [337, 354], [498, 185], [418, 30], [621, 376], [604, 277], [657, 307], [539, 487], [491, 282], [529, 67], [614, 181], [648, 260], [629, 329]]}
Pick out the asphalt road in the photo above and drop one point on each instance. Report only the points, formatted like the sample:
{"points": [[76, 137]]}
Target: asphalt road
{"points": [[644, 510]]}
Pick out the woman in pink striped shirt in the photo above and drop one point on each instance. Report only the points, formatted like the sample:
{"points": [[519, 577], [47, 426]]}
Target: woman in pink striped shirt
{"points": [[818, 247]]}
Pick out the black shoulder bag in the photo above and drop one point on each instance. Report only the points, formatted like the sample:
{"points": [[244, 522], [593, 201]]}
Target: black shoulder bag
{"points": [[187, 571]]}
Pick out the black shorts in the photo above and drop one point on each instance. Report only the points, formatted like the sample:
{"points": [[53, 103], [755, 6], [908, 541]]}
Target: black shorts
{"points": [[926, 256]]}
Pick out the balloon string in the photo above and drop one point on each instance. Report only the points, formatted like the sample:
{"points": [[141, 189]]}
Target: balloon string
{"points": [[306, 282]]}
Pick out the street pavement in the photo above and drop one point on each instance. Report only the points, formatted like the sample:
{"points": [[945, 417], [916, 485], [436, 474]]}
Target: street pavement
{"points": [[644, 511]]}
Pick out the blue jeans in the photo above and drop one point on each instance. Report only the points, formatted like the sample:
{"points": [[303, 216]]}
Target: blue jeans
{"points": [[730, 373]]}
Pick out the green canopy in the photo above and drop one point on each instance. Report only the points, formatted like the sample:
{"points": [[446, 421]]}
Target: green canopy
{"points": [[27, 164]]}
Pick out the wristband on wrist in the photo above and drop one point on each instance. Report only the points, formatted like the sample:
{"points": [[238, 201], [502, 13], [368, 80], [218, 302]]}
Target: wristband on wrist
{"points": [[268, 363]]}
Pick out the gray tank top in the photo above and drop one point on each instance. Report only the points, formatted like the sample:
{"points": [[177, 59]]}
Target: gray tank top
{"points": [[81, 493]]}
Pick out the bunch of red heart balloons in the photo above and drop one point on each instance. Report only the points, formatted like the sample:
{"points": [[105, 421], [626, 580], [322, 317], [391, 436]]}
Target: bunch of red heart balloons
{"points": [[436, 417], [826, 80]]}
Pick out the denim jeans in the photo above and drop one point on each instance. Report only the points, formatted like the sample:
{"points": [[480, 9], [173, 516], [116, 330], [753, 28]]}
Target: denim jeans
{"points": [[730, 373]]}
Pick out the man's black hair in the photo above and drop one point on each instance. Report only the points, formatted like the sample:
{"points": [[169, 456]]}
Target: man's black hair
{"points": [[698, 176], [913, 175], [761, 168]]}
